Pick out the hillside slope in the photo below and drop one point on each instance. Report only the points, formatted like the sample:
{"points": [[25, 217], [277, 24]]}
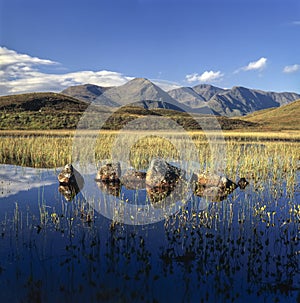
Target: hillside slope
{"points": [[41, 102], [57, 111], [88, 93], [286, 117], [40, 111]]}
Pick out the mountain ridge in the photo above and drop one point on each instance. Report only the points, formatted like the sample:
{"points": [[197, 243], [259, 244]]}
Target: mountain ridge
{"points": [[58, 111], [237, 101], [202, 98], [141, 91]]}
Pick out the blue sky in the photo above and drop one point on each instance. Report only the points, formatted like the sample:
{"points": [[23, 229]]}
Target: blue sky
{"points": [[49, 45]]}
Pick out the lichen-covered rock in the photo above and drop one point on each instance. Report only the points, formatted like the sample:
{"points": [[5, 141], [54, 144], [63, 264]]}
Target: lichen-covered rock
{"points": [[69, 175], [110, 172], [133, 179], [162, 174]]}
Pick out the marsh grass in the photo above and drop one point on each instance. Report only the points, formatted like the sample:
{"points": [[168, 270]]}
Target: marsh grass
{"points": [[257, 156], [36, 149]]}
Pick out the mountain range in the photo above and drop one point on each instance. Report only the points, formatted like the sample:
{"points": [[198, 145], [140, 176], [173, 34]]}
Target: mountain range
{"points": [[140, 98], [203, 98]]}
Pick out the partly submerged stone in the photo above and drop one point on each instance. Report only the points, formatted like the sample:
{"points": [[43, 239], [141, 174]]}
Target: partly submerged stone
{"points": [[212, 186], [213, 193], [210, 180], [158, 194], [242, 183], [162, 174], [69, 175], [110, 172], [133, 179]]}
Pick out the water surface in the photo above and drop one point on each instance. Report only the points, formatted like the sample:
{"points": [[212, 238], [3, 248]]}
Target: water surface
{"points": [[242, 249]]}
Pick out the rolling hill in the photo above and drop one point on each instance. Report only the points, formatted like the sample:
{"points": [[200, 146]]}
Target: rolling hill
{"points": [[40, 111], [41, 102], [58, 111], [286, 117]]}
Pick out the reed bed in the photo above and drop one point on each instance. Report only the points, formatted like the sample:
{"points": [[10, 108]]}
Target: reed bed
{"points": [[252, 155], [36, 150]]}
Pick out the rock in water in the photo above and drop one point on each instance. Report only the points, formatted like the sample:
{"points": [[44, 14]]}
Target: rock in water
{"points": [[243, 183], [110, 172], [133, 179], [210, 180], [162, 174], [69, 175], [213, 187]]}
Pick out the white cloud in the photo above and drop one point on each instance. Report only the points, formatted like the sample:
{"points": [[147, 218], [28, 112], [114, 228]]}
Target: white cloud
{"points": [[35, 81], [207, 76], [260, 64], [19, 73], [10, 57], [291, 68]]}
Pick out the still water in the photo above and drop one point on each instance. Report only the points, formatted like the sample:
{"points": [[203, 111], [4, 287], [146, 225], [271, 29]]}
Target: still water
{"points": [[58, 247]]}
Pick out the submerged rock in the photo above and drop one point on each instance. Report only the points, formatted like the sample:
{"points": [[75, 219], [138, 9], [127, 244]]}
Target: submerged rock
{"points": [[69, 175], [213, 193], [210, 180], [212, 186], [133, 179], [242, 183], [110, 172], [162, 174]]}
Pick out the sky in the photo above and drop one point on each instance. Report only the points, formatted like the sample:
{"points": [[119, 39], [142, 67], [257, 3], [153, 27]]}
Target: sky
{"points": [[50, 45]]}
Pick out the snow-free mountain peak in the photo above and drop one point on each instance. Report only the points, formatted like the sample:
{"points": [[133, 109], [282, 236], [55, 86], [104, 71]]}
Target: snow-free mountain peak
{"points": [[136, 90]]}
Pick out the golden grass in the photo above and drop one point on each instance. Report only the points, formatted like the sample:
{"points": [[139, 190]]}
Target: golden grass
{"points": [[280, 118], [255, 156]]}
